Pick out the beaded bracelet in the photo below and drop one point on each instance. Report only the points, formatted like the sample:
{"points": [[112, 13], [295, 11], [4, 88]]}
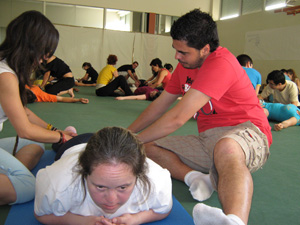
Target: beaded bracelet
{"points": [[51, 127]]}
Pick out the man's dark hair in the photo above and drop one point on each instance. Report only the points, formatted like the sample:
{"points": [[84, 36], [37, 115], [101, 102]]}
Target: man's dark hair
{"points": [[197, 29], [157, 62], [276, 76], [244, 59], [283, 70]]}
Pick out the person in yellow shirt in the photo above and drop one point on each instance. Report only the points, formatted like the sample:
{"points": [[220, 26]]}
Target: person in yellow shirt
{"points": [[109, 80]]}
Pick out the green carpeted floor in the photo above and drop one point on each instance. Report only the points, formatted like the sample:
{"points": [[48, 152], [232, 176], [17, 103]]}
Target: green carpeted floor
{"points": [[276, 198]]}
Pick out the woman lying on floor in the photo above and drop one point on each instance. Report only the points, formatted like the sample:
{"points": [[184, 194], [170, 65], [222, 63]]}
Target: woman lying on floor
{"points": [[142, 93], [109, 180]]}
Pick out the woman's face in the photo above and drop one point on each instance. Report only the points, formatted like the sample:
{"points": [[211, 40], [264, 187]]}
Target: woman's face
{"points": [[155, 68], [110, 185], [153, 93]]}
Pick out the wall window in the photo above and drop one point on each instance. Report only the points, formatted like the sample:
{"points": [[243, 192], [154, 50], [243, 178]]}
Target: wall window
{"points": [[275, 4], [61, 13], [75, 15], [251, 6], [89, 16], [165, 23], [230, 9], [118, 20], [84, 16]]}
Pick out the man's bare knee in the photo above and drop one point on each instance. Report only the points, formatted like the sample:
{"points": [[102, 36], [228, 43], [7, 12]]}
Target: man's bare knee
{"points": [[228, 150]]}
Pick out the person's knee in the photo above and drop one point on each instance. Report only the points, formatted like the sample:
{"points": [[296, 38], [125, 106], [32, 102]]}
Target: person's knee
{"points": [[7, 193], [228, 153]]}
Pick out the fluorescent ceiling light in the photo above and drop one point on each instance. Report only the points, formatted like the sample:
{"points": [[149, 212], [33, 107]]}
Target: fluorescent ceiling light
{"points": [[229, 17], [275, 6]]}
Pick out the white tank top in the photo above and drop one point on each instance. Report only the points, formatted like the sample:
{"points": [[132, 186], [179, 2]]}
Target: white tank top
{"points": [[4, 68]]}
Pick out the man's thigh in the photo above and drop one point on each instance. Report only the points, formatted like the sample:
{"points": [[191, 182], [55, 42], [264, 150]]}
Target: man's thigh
{"points": [[190, 149]]}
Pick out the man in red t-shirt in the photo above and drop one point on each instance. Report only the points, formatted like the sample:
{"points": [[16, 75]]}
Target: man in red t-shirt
{"points": [[234, 133]]}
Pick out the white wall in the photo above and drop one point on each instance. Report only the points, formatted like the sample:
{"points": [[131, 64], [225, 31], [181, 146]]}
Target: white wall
{"points": [[78, 45], [233, 32]]}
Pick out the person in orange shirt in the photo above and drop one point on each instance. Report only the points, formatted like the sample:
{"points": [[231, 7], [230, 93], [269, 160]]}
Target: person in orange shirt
{"points": [[35, 94]]}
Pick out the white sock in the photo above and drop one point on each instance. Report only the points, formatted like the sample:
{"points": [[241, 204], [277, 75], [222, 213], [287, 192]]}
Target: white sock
{"points": [[206, 215], [200, 185]]}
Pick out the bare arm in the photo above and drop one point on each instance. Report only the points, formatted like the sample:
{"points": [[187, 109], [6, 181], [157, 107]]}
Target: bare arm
{"points": [[69, 218], [139, 218], [132, 97], [175, 117], [115, 74], [72, 100], [133, 76], [25, 122], [85, 77], [151, 78], [45, 79], [257, 89], [153, 111], [159, 79]]}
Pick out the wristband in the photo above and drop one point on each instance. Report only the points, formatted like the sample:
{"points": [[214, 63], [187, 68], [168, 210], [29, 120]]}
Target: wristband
{"points": [[49, 126], [53, 128], [62, 139]]}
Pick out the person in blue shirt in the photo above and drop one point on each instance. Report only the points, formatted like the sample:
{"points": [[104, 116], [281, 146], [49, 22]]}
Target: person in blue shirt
{"points": [[288, 115], [285, 72], [254, 76]]}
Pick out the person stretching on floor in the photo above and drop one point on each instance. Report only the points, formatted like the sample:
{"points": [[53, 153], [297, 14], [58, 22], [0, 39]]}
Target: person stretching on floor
{"points": [[20, 55], [234, 133], [287, 115], [163, 75], [58, 69], [109, 80], [142, 93], [90, 77], [35, 94], [107, 181]]}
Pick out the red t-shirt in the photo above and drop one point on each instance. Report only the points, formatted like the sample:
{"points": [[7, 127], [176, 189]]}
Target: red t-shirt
{"points": [[233, 99]]}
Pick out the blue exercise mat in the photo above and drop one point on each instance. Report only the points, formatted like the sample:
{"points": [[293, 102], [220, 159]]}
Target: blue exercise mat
{"points": [[23, 213]]}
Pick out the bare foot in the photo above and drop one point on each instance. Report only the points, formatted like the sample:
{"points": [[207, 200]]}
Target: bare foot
{"points": [[76, 89], [71, 93], [278, 126]]}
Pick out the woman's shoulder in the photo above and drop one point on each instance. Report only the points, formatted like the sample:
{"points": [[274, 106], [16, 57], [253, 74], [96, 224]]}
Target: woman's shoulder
{"points": [[4, 68], [63, 172], [154, 169]]}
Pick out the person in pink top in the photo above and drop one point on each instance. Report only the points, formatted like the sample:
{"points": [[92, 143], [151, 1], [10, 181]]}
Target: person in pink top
{"points": [[163, 77], [234, 133]]}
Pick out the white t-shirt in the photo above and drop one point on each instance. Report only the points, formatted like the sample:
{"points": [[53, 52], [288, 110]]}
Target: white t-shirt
{"points": [[4, 68], [59, 190], [287, 96]]}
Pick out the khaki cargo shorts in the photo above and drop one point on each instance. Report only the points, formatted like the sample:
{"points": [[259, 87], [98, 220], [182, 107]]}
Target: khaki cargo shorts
{"points": [[197, 151]]}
